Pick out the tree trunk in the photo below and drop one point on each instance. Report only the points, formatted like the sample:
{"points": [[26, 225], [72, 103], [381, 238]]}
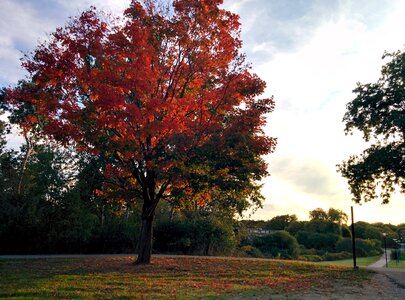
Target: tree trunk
{"points": [[144, 247], [24, 162], [150, 202]]}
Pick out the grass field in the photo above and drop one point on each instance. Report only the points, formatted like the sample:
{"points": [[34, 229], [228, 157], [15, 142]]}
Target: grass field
{"points": [[401, 263], [166, 278], [393, 264], [360, 261]]}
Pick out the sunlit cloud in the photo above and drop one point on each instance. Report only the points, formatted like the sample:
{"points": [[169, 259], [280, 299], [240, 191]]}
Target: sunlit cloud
{"points": [[312, 81]]}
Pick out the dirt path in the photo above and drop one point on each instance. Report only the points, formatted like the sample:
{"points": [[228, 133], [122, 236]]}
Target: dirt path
{"points": [[395, 275]]}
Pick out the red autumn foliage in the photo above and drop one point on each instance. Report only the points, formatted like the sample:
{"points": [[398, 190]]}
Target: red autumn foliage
{"points": [[158, 93]]}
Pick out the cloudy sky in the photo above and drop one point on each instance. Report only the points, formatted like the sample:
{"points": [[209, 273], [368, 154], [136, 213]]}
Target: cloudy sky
{"points": [[311, 53]]}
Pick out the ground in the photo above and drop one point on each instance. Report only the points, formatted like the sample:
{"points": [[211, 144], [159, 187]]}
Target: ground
{"points": [[379, 287], [173, 277]]}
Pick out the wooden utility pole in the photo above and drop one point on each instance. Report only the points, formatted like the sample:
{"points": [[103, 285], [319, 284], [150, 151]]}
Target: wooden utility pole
{"points": [[353, 241]]}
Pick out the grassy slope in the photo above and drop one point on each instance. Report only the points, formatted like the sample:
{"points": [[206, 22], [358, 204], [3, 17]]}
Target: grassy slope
{"points": [[360, 261], [165, 278]]}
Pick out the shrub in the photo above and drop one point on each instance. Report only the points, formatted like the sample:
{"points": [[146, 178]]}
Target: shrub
{"points": [[308, 257], [318, 240], [323, 226], [363, 247], [346, 231], [251, 251], [279, 244], [397, 252], [344, 245], [312, 251], [337, 256], [368, 247], [372, 233], [171, 237], [198, 235], [296, 226]]}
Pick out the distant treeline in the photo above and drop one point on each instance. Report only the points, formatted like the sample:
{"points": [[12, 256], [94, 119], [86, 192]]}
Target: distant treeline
{"points": [[326, 236]]}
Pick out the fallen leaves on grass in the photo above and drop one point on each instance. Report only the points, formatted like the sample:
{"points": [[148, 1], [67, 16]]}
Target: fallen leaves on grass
{"points": [[165, 277]]}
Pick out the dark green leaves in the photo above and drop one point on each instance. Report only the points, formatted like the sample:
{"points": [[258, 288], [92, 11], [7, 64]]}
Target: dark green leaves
{"points": [[378, 111]]}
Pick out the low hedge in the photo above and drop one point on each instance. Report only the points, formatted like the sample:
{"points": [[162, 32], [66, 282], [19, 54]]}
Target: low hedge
{"points": [[310, 257], [337, 256]]}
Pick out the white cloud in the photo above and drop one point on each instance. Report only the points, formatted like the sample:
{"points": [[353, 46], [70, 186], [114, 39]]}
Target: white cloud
{"points": [[24, 23], [20, 25], [312, 85], [77, 6]]}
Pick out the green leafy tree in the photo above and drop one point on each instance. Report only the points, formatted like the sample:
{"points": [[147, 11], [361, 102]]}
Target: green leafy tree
{"points": [[323, 226], [401, 232], [280, 222], [279, 244], [363, 247], [320, 241], [296, 226], [346, 231], [372, 232], [378, 111], [8, 165], [337, 216], [195, 233], [318, 214]]}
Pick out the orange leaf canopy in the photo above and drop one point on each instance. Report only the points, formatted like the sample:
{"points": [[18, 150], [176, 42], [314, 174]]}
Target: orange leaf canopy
{"points": [[149, 89]]}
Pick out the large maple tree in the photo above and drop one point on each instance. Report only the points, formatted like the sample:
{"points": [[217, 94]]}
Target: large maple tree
{"points": [[163, 95]]}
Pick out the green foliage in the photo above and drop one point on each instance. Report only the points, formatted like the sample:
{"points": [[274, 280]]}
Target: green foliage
{"points": [[363, 247], [311, 251], [346, 231], [368, 247], [8, 169], [280, 222], [378, 112], [401, 232], [365, 230], [310, 257], [397, 254], [279, 244], [318, 214], [337, 256], [372, 233], [337, 216], [294, 227], [197, 235], [344, 244], [323, 226], [319, 233], [172, 237], [57, 210], [332, 215], [326, 241], [251, 251]]}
